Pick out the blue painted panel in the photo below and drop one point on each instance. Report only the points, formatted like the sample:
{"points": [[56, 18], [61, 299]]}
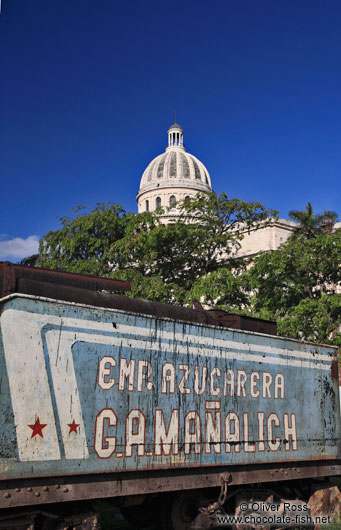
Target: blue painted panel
{"points": [[87, 390]]}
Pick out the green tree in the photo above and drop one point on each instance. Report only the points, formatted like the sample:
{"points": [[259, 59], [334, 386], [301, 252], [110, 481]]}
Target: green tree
{"points": [[310, 225], [194, 258], [316, 320], [173, 262], [30, 261], [223, 288], [200, 243], [297, 283], [83, 243]]}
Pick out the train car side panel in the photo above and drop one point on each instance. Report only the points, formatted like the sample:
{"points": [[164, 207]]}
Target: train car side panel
{"points": [[90, 390]]}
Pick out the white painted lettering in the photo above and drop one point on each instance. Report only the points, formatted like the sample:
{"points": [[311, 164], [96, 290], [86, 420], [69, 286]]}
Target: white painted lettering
{"points": [[105, 445], [254, 379], [290, 432], [241, 380], [229, 383], [232, 432], [279, 386], [126, 371], [105, 379], [168, 379], [273, 443], [135, 432], [144, 372], [248, 447], [192, 432], [214, 390], [182, 385], [200, 390], [166, 441], [267, 380]]}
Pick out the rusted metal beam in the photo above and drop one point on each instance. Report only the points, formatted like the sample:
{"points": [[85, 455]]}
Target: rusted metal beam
{"points": [[99, 292], [31, 492], [13, 277], [243, 322]]}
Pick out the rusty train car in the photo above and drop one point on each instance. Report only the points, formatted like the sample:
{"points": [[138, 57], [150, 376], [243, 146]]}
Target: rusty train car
{"points": [[153, 407]]}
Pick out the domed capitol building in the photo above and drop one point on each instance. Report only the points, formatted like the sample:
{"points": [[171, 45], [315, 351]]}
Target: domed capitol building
{"points": [[176, 174], [171, 177]]}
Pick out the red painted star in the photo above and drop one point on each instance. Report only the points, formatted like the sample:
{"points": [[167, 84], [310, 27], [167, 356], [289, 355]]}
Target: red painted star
{"points": [[73, 426], [37, 428]]}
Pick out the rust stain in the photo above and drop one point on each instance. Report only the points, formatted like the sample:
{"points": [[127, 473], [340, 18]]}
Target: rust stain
{"points": [[335, 371]]}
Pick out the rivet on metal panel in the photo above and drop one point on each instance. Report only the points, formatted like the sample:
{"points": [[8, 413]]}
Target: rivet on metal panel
{"points": [[29, 489], [57, 486], [7, 495], [17, 490], [66, 490], [37, 494], [45, 488]]}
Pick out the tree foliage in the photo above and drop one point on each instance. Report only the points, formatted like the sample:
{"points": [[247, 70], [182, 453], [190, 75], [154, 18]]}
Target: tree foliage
{"points": [[83, 243], [309, 224], [300, 269], [195, 258], [223, 288], [316, 320], [296, 285], [202, 241], [163, 262]]}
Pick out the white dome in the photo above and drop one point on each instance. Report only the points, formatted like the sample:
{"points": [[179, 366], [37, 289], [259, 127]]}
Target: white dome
{"points": [[175, 163], [175, 173]]}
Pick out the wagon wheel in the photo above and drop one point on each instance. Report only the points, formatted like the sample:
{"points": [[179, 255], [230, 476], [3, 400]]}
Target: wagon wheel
{"points": [[179, 510]]}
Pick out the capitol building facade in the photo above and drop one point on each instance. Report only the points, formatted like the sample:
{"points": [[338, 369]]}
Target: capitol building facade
{"points": [[176, 175]]}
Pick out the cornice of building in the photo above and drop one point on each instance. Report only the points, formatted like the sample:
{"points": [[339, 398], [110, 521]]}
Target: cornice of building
{"points": [[174, 184], [274, 222]]}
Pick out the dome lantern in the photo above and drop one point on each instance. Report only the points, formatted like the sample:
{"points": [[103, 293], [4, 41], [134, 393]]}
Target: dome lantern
{"points": [[175, 136]]}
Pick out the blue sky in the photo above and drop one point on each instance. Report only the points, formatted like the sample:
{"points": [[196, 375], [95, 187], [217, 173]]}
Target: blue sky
{"points": [[88, 90]]}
